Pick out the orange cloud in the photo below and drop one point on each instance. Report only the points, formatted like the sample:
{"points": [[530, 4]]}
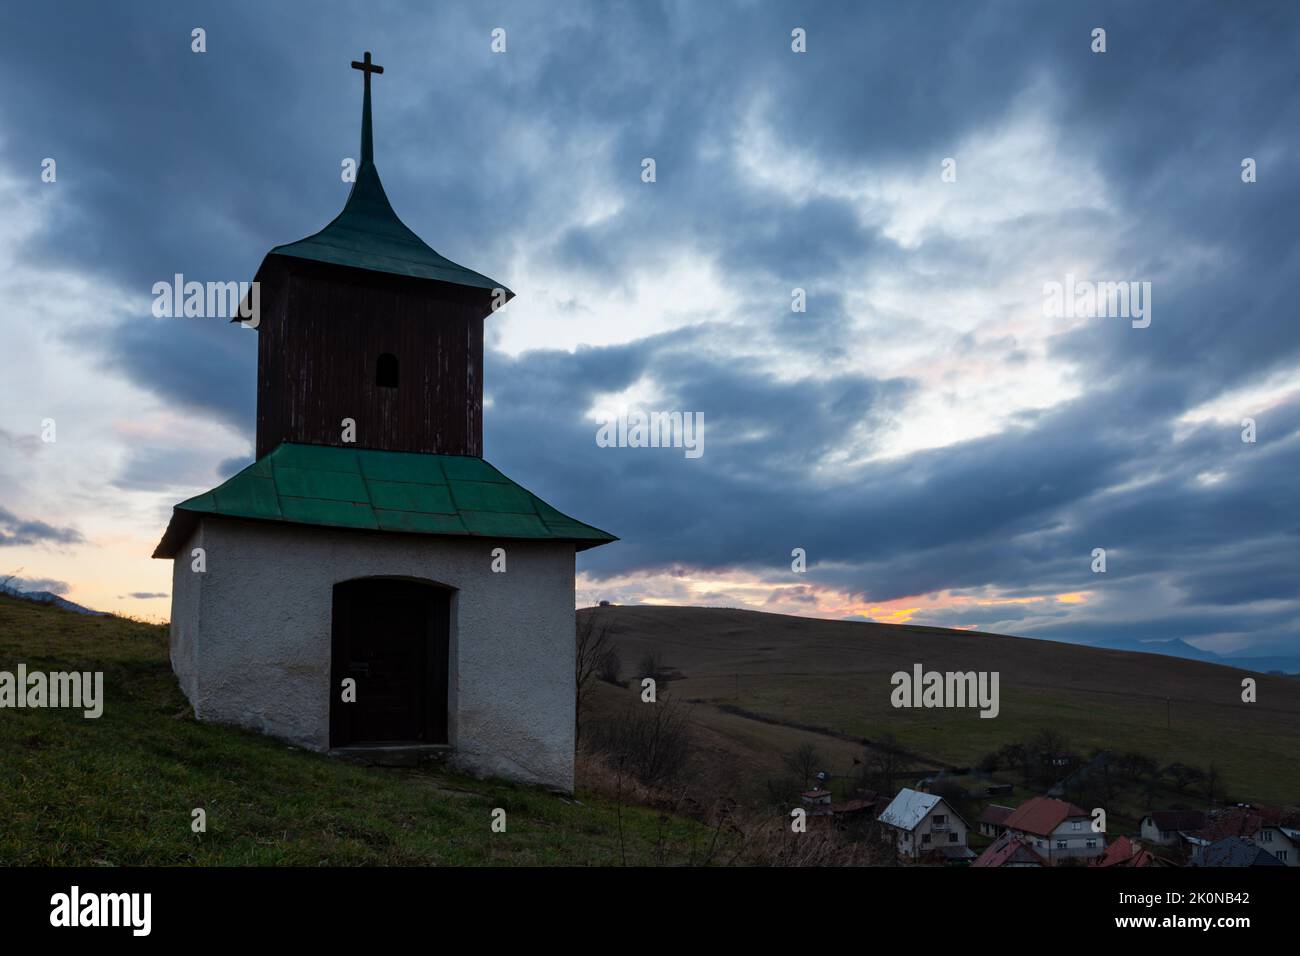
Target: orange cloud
{"points": [[786, 596]]}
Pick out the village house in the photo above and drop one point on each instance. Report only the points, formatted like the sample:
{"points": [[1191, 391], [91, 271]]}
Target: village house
{"points": [[1010, 850], [1233, 851], [924, 822], [993, 821], [1274, 830], [1279, 834], [866, 805], [816, 802], [816, 798], [1125, 852], [1166, 827], [1056, 829]]}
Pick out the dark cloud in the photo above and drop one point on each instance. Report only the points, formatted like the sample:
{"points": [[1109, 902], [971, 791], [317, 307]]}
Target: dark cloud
{"points": [[233, 466], [200, 163], [165, 468], [1020, 511], [17, 532]]}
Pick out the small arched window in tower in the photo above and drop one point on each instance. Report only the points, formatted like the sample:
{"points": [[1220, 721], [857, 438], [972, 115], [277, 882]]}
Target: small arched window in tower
{"points": [[386, 371]]}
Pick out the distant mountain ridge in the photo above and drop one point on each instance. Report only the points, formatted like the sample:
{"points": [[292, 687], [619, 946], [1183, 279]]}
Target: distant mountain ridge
{"points": [[1177, 647], [49, 597]]}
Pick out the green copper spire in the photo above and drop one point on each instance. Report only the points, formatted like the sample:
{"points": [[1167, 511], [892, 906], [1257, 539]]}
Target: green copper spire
{"points": [[368, 235]]}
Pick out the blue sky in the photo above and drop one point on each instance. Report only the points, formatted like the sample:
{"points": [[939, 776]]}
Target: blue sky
{"points": [[944, 451]]}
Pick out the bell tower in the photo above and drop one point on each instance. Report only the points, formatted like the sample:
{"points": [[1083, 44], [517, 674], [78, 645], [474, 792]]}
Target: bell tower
{"points": [[370, 467], [364, 323]]}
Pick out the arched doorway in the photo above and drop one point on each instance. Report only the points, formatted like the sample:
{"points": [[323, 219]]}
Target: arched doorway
{"points": [[391, 635]]}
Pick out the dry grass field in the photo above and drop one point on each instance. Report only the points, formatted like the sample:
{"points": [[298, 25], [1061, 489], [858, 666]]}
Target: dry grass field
{"points": [[836, 675]]}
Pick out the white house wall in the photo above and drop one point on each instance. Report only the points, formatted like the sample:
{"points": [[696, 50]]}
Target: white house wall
{"points": [[185, 618], [251, 638], [1275, 841], [912, 843], [1076, 841]]}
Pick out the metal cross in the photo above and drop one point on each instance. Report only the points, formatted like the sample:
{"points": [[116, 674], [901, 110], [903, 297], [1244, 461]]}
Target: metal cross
{"points": [[366, 67]]}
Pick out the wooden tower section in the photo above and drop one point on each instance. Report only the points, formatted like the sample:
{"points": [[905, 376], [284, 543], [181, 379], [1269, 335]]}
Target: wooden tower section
{"points": [[364, 321]]}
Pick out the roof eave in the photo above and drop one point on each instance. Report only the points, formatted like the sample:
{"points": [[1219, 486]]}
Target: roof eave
{"points": [[184, 521], [428, 282], [179, 529]]}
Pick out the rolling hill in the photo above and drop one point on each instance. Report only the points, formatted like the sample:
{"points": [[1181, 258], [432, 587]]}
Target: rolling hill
{"points": [[757, 682], [121, 789]]}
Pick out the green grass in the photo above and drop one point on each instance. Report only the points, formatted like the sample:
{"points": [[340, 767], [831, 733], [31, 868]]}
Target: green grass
{"points": [[120, 790]]}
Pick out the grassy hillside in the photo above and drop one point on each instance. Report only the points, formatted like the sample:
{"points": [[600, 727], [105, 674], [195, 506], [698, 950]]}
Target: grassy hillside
{"points": [[120, 789], [836, 675]]}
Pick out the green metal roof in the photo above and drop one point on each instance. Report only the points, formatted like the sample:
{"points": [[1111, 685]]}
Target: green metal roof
{"points": [[370, 490], [368, 235]]}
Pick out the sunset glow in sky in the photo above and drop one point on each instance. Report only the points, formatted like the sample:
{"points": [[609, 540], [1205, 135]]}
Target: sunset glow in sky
{"points": [[945, 452]]}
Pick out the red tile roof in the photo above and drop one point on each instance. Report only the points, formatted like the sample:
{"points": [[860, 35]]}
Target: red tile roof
{"points": [[1041, 815], [856, 805], [1232, 822], [1171, 820], [996, 813], [1246, 822], [1117, 854], [1126, 852], [1008, 849], [1288, 817]]}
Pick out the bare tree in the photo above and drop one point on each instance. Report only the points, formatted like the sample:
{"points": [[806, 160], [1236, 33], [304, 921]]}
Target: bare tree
{"points": [[1183, 776], [652, 664], [990, 763], [610, 667], [1135, 765], [650, 741], [1213, 778], [803, 762], [1149, 783], [1020, 757], [780, 790], [1052, 755], [592, 644], [882, 763], [1140, 770], [1104, 772]]}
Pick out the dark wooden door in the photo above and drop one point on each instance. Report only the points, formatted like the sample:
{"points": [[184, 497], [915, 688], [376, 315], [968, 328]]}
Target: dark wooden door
{"points": [[391, 636]]}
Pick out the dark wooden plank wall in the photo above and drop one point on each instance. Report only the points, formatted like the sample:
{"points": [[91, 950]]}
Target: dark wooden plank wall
{"points": [[318, 344]]}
